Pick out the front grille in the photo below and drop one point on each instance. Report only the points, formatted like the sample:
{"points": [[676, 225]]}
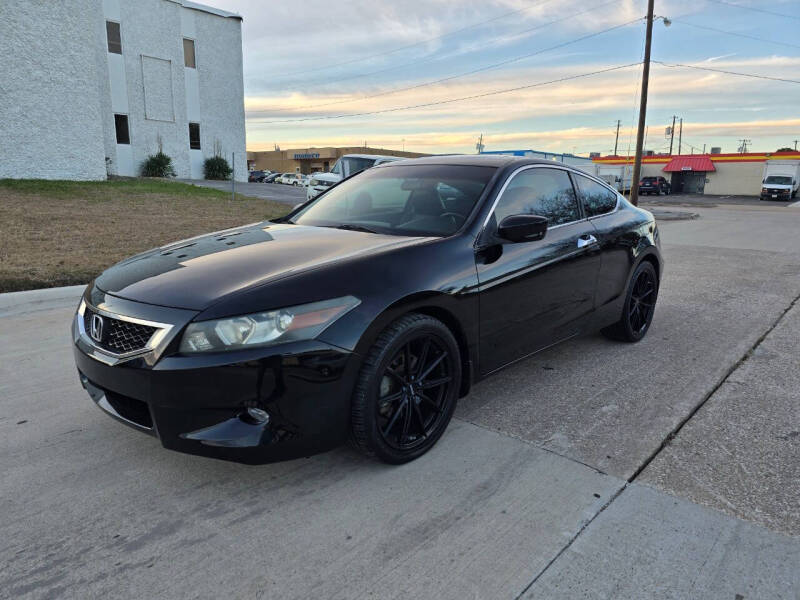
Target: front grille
{"points": [[118, 336]]}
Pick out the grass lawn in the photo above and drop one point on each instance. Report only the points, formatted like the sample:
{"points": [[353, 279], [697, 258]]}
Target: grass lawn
{"points": [[56, 233]]}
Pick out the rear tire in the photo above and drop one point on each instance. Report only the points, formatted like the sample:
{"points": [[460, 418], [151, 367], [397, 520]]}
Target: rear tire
{"points": [[639, 306], [407, 390]]}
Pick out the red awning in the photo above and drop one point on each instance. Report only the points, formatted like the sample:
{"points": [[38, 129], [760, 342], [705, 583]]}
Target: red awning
{"points": [[690, 163]]}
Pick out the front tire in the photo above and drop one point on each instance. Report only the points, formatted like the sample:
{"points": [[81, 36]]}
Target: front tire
{"points": [[639, 306], [407, 390]]}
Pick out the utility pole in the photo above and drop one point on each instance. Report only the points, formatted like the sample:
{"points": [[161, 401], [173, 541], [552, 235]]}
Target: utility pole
{"points": [[704, 148], [680, 136], [479, 146], [672, 134], [743, 147], [616, 138], [795, 144], [637, 163]]}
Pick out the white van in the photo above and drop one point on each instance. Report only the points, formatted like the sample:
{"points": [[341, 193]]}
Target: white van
{"points": [[347, 165], [781, 179]]}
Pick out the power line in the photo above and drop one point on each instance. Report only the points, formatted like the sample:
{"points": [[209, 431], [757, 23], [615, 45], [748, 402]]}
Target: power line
{"points": [[434, 56], [466, 73], [699, 68], [426, 41], [761, 10], [742, 35], [451, 100]]}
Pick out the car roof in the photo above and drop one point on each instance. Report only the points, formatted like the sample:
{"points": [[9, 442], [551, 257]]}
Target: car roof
{"points": [[485, 160]]}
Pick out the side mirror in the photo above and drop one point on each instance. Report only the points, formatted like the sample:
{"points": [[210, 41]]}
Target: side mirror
{"points": [[522, 228]]}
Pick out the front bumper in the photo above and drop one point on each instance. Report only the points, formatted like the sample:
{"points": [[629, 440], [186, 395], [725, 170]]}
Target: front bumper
{"points": [[776, 195], [198, 404]]}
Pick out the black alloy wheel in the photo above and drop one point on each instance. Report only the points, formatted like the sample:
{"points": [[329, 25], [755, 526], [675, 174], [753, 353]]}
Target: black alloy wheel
{"points": [[407, 390], [642, 301], [639, 307]]}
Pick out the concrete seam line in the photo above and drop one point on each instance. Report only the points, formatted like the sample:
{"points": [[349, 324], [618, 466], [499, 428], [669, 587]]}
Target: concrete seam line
{"points": [[571, 541], [676, 430], [530, 443]]}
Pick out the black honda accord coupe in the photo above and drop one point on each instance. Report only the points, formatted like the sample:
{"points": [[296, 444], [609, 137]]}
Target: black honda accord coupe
{"points": [[366, 313]]}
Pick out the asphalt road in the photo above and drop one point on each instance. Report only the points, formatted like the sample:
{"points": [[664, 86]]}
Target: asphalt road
{"points": [[287, 194], [666, 469], [712, 201]]}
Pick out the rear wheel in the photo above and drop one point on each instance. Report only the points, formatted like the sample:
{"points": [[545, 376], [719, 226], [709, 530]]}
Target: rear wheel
{"points": [[407, 390], [639, 306]]}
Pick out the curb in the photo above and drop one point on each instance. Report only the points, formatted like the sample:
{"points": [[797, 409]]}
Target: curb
{"points": [[16, 303]]}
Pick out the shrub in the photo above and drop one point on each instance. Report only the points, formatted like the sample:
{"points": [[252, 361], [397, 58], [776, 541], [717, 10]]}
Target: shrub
{"points": [[216, 167], [158, 165]]}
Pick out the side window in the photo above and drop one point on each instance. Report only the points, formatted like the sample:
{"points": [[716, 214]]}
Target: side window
{"points": [[121, 127], [188, 53], [194, 136], [540, 191], [597, 199], [113, 37]]}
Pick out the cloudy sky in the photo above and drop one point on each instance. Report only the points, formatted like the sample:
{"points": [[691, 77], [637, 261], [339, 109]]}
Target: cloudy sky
{"points": [[312, 68]]}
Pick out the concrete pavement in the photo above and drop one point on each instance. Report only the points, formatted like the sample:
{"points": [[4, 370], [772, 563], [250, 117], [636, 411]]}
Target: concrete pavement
{"points": [[578, 473]]}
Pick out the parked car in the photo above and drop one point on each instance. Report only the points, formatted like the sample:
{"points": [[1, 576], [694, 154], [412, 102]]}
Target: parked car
{"points": [[347, 165], [367, 313], [654, 185], [255, 176], [272, 178]]}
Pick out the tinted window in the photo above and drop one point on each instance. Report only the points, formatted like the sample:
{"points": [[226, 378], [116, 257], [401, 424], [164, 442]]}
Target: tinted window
{"points": [[188, 53], [401, 200], [540, 191], [114, 38], [597, 199], [194, 136], [121, 126]]}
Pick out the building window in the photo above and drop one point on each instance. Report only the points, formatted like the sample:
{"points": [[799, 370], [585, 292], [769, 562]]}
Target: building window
{"points": [[194, 136], [188, 53], [121, 125], [114, 37]]}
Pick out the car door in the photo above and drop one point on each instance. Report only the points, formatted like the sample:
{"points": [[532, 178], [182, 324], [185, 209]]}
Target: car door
{"points": [[613, 234], [535, 293]]}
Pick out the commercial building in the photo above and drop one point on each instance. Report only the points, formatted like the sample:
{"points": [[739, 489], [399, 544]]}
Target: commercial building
{"points": [[568, 159], [717, 174], [312, 160], [90, 88]]}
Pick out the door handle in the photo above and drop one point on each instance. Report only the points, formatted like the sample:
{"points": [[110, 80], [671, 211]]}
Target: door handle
{"points": [[586, 240]]}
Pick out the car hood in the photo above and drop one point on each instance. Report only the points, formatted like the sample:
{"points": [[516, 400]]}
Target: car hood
{"points": [[333, 178], [196, 272], [777, 186]]}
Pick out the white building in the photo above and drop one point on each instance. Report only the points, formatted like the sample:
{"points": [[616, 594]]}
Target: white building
{"points": [[92, 87]]}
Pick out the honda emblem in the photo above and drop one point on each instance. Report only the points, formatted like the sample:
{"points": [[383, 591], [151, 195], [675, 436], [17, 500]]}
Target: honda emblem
{"points": [[96, 329]]}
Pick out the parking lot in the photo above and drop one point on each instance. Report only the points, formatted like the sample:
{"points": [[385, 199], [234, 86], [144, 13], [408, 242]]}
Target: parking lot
{"points": [[278, 192], [595, 469]]}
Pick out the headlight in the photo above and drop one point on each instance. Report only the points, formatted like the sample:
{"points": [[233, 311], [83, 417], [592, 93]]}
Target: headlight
{"points": [[302, 322]]}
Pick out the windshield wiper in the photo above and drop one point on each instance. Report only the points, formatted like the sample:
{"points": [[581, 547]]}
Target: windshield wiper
{"points": [[353, 227]]}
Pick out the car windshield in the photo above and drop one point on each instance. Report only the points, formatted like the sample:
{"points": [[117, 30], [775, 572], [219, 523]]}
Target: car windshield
{"points": [[779, 180], [430, 200]]}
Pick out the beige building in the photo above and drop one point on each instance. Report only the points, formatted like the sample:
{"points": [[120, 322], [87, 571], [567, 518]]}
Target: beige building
{"points": [[714, 174], [311, 160]]}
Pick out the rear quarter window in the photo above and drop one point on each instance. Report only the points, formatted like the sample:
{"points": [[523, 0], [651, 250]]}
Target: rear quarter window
{"points": [[597, 199]]}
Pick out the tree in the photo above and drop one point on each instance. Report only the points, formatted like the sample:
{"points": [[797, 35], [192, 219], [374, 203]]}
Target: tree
{"points": [[784, 150]]}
